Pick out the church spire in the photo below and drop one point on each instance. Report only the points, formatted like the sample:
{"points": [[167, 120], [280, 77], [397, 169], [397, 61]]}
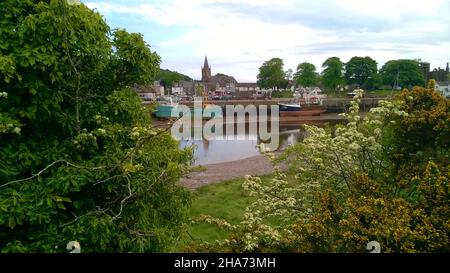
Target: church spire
{"points": [[206, 65], [206, 71]]}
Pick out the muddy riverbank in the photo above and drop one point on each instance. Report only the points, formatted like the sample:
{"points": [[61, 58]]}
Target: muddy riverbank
{"points": [[216, 173]]}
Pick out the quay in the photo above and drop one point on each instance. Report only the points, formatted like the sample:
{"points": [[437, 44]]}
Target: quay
{"points": [[332, 105]]}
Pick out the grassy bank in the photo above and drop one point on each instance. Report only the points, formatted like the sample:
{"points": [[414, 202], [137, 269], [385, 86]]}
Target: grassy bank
{"points": [[368, 93], [283, 94], [226, 200]]}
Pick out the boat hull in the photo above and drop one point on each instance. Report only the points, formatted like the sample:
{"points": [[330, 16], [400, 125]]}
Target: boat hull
{"points": [[171, 112], [289, 107], [293, 110], [166, 112], [302, 113]]}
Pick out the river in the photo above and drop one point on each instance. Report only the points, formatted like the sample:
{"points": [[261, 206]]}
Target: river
{"points": [[240, 146]]}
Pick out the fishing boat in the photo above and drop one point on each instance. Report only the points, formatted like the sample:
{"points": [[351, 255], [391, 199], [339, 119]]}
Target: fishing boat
{"points": [[167, 108], [301, 107]]}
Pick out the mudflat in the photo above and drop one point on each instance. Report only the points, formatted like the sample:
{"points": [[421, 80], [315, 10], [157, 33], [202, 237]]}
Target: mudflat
{"points": [[216, 173]]}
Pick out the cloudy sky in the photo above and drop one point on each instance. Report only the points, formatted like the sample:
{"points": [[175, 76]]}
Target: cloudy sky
{"points": [[238, 35]]}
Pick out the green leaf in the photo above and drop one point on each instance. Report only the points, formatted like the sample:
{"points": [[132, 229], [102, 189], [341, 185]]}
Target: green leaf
{"points": [[12, 222]]}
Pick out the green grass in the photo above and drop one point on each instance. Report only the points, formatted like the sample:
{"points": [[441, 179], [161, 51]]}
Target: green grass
{"points": [[383, 93], [368, 93], [335, 94], [226, 200]]}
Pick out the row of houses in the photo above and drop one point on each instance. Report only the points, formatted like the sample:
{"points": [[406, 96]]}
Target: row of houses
{"points": [[221, 85], [217, 85], [198, 88], [189, 87]]}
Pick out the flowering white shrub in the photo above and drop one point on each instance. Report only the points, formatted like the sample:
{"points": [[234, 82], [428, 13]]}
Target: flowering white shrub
{"points": [[326, 160], [7, 123]]}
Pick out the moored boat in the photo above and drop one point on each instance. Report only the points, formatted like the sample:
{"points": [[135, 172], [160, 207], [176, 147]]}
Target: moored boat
{"points": [[297, 109], [168, 109], [165, 108]]}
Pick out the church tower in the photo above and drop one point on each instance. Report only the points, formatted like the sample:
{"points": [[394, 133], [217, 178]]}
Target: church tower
{"points": [[206, 71]]}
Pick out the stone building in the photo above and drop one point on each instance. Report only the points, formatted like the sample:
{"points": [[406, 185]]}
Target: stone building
{"points": [[148, 93], [206, 71], [438, 74], [220, 83], [425, 67]]}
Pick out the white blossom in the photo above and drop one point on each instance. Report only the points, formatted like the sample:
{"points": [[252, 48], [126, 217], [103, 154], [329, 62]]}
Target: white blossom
{"points": [[323, 160]]}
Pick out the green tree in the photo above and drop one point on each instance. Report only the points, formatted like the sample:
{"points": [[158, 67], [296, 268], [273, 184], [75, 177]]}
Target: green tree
{"points": [[79, 158], [421, 136], [306, 75], [271, 74], [288, 75], [133, 62], [332, 75], [168, 78], [363, 72], [402, 73]]}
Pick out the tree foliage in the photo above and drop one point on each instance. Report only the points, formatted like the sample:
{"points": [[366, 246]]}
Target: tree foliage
{"points": [[79, 159], [288, 75], [332, 75], [306, 75], [168, 78], [402, 73], [133, 62], [271, 74], [363, 72], [422, 136]]}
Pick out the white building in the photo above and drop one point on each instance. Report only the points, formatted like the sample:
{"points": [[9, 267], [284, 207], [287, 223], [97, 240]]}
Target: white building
{"points": [[227, 88], [158, 88], [247, 87], [177, 89], [309, 92], [443, 88], [145, 93]]}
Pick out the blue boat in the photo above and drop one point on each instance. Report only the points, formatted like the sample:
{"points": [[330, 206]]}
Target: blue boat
{"points": [[167, 109]]}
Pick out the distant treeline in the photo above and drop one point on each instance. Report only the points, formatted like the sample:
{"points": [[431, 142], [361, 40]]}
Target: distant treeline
{"points": [[168, 78], [358, 71]]}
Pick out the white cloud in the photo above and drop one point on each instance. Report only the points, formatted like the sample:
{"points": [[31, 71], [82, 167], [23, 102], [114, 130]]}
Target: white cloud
{"points": [[392, 8], [238, 40]]}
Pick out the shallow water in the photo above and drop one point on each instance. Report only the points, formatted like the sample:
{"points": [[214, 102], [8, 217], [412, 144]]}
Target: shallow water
{"points": [[240, 146]]}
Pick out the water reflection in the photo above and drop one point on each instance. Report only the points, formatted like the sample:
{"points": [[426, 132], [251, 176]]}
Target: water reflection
{"points": [[240, 147]]}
